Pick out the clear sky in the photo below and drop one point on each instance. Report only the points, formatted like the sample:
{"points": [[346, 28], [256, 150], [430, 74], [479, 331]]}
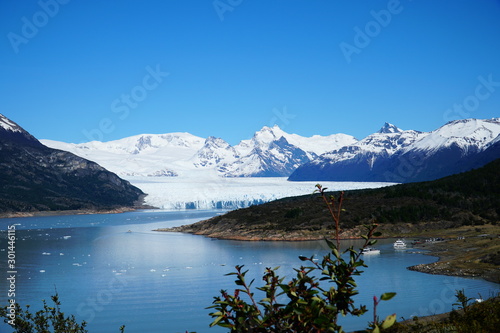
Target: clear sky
{"points": [[76, 70]]}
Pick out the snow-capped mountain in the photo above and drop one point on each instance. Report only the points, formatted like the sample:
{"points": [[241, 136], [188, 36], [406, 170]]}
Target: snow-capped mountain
{"points": [[270, 152], [275, 159], [150, 155], [274, 153], [10, 131], [38, 178], [387, 141], [467, 134], [214, 151], [392, 154]]}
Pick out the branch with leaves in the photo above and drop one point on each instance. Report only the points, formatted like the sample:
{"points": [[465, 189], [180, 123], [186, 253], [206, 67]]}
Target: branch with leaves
{"points": [[303, 304]]}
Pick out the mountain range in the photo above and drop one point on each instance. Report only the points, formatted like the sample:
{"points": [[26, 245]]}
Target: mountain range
{"points": [[34, 177], [394, 155], [388, 155], [271, 152]]}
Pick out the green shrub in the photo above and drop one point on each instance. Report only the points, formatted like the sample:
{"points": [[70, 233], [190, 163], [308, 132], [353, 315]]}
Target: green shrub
{"points": [[301, 304]]}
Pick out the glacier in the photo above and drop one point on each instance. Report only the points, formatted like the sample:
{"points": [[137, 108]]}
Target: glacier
{"points": [[206, 190]]}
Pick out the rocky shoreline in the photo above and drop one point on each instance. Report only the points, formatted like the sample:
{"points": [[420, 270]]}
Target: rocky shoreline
{"points": [[475, 256], [117, 210], [466, 252], [228, 229]]}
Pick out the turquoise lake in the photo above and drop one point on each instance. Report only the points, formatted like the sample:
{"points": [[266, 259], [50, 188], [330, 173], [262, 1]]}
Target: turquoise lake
{"points": [[112, 270]]}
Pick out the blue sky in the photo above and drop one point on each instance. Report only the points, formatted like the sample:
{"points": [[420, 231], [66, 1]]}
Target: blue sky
{"points": [[80, 70]]}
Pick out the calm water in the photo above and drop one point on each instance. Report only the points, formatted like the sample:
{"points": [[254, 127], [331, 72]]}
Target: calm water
{"points": [[162, 282]]}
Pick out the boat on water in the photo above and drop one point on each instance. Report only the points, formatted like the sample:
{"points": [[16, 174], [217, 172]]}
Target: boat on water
{"points": [[399, 244], [370, 250]]}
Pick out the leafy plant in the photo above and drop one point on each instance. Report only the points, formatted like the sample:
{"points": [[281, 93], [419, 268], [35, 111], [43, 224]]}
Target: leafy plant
{"points": [[50, 317], [471, 317], [302, 304], [463, 300]]}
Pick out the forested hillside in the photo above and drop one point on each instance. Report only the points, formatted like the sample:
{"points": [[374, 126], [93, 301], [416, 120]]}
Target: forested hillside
{"points": [[470, 198]]}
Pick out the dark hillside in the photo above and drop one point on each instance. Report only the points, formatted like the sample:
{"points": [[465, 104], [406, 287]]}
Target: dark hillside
{"points": [[36, 178], [470, 198]]}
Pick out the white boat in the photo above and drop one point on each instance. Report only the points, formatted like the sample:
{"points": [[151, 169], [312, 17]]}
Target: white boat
{"points": [[370, 250], [399, 244]]}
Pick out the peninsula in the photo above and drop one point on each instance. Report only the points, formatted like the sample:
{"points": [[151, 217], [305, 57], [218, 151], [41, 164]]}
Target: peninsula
{"points": [[462, 206]]}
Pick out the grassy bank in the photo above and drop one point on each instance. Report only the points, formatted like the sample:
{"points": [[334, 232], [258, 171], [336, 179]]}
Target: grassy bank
{"points": [[466, 251]]}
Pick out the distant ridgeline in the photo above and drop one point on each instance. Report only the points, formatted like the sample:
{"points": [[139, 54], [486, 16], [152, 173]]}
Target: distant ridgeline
{"points": [[34, 177], [389, 155], [394, 155], [470, 198]]}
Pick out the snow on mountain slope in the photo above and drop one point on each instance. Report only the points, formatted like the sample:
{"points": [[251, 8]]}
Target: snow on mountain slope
{"points": [[467, 134], [214, 151], [9, 125], [268, 153], [314, 145], [273, 153], [279, 158], [407, 156], [383, 143], [141, 155]]}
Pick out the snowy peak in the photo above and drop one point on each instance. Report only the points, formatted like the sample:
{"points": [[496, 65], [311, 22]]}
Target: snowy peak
{"points": [[270, 152], [213, 152], [465, 134], [273, 152], [9, 125], [213, 142], [404, 156], [38, 178], [314, 145], [11, 131], [389, 128], [276, 159], [267, 135], [383, 143]]}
